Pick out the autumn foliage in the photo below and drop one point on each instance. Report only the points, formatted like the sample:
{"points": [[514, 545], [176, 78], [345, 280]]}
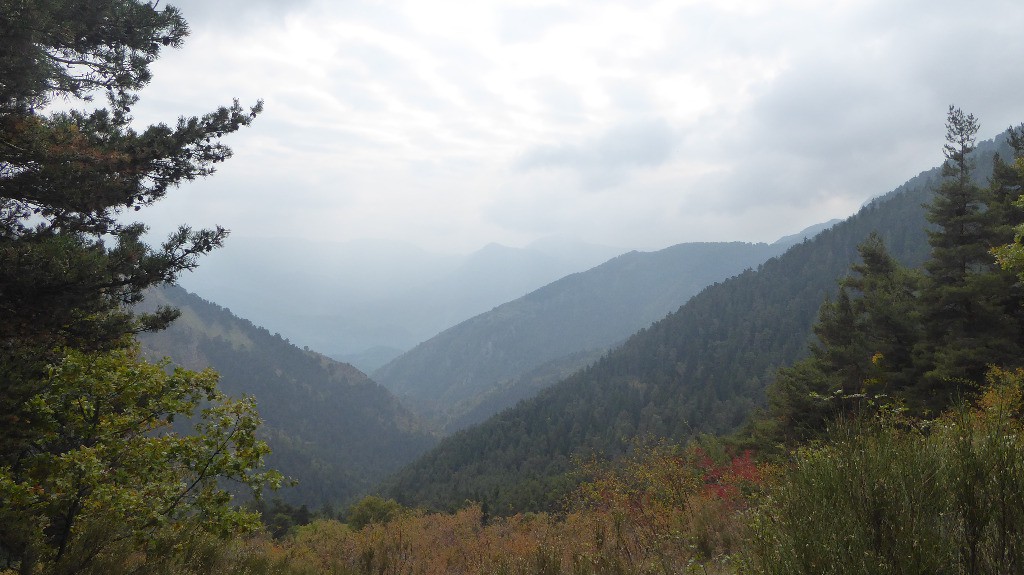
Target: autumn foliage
{"points": [[665, 509], [883, 493]]}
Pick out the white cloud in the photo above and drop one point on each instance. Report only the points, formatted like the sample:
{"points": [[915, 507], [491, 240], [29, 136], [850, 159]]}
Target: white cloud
{"points": [[606, 160], [454, 124]]}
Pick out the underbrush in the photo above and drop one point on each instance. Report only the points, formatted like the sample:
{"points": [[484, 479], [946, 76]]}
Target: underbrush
{"points": [[883, 494]]}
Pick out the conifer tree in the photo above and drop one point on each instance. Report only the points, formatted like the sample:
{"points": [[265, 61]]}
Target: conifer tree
{"points": [[1006, 212], [69, 256], [967, 323], [924, 339], [865, 340], [1008, 179]]}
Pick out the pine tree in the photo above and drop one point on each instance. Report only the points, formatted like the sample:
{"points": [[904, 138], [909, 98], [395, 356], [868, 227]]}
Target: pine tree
{"points": [[1006, 214], [966, 317], [1008, 180], [69, 259]]}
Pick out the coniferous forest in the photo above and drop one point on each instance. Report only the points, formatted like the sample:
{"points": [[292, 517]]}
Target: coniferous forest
{"points": [[854, 405]]}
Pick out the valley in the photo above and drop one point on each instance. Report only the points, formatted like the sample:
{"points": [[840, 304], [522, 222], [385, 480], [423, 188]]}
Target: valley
{"points": [[506, 289], [702, 326]]}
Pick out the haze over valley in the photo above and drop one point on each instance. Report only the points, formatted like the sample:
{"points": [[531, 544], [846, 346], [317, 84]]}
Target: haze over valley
{"points": [[368, 301]]}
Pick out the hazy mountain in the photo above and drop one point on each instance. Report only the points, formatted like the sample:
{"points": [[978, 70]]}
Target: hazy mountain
{"points": [[370, 359], [806, 234], [367, 301], [476, 368], [330, 427], [703, 368]]}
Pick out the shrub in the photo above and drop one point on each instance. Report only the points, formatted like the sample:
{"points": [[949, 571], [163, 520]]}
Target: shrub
{"points": [[891, 495]]}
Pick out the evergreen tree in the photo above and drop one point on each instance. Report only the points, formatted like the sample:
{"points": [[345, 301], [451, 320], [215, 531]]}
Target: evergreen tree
{"points": [[1004, 190], [865, 340], [967, 308], [68, 178], [957, 208], [1009, 178], [1006, 214], [922, 339]]}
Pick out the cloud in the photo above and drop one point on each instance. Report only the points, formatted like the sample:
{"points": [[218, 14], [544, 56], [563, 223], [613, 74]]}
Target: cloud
{"points": [[854, 107], [607, 160], [561, 101], [456, 124], [234, 14], [528, 24]]}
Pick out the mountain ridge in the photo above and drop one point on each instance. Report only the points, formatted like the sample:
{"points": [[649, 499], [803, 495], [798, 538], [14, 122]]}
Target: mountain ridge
{"points": [[702, 369], [481, 359]]}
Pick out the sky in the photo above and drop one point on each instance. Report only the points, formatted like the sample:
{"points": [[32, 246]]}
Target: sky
{"points": [[452, 124]]}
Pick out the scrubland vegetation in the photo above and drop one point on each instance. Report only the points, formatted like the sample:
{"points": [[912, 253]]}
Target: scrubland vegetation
{"points": [[883, 493]]}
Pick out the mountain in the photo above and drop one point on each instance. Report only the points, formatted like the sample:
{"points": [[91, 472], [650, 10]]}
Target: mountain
{"points": [[370, 359], [329, 426], [476, 368], [368, 301], [701, 369], [806, 234]]}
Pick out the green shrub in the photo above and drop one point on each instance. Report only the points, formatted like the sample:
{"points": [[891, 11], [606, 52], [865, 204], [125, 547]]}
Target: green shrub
{"points": [[891, 495]]}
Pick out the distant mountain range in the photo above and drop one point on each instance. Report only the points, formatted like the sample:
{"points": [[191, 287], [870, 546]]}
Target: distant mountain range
{"points": [[329, 426], [366, 302], [489, 362], [339, 433], [701, 369]]}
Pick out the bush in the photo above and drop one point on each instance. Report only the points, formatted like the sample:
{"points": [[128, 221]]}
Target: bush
{"points": [[891, 495]]}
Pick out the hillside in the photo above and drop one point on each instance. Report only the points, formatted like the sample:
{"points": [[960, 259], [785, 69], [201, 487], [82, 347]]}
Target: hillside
{"points": [[330, 427], [703, 368], [486, 363]]}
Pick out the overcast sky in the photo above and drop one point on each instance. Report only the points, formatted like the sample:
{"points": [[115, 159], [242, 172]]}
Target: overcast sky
{"points": [[451, 124]]}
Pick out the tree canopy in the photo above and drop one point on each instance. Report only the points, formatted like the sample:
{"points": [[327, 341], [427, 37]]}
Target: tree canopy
{"points": [[107, 472], [70, 260]]}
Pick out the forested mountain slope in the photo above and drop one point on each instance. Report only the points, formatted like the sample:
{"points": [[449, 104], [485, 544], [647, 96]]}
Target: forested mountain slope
{"points": [[478, 367], [703, 368], [329, 426]]}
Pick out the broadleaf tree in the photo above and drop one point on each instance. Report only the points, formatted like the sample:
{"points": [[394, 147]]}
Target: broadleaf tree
{"points": [[108, 472]]}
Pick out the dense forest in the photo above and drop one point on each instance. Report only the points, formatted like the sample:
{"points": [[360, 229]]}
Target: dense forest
{"points": [[329, 427]]}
